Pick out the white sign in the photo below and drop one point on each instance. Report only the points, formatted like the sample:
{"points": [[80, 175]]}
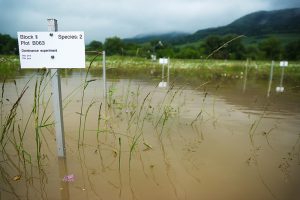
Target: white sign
{"points": [[163, 61], [162, 84], [283, 63], [51, 49], [279, 89], [153, 57]]}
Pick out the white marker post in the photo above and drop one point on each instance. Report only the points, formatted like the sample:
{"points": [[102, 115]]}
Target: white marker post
{"points": [[245, 76], [163, 62], [270, 79], [57, 103], [283, 64], [104, 74], [163, 73], [168, 75]]}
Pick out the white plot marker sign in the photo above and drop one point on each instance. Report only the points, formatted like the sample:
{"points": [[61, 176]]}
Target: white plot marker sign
{"points": [[51, 49], [163, 62], [283, 63]]}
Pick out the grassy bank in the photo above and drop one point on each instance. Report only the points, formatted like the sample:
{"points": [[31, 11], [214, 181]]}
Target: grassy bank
{"points": [[197, 69], [135, 67]]}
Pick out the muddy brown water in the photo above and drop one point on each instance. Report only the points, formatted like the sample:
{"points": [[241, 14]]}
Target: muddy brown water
{"points": [[209, 140]]}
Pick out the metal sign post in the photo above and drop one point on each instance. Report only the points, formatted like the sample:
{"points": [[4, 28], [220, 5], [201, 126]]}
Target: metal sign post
{"points": [[282, 64], [245, 76], [53, 50], [270, 79], [163, 62], [282, 75], [163, 73], [57, 102], [168, 74], [104, 74]]}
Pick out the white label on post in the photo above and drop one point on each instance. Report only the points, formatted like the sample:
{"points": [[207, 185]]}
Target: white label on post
{"points": [[283, 63], [163, 61], [51, 49], [162, 84]]}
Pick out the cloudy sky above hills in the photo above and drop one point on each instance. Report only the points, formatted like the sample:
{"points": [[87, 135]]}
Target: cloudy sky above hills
{"points": [[100, 19]]}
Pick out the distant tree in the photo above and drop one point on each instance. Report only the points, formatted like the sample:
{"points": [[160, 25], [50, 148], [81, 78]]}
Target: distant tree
{"points": [[132, 49], [164, 49], [188, 53], [8, 45], [114, 46], [166, 52], [201, 51], [227, 47], [271, 48], [156, 45], [94, 46], [292, 50], [145, 51], [211, 43], [253, 52], [235, 49]]}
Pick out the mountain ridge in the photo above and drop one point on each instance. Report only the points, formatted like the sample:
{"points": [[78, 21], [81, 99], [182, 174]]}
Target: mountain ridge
{"points": [[141, 38], [284, 21]]}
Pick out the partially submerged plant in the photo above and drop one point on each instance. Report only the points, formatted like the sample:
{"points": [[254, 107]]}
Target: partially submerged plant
{"points": [[86, 82]]}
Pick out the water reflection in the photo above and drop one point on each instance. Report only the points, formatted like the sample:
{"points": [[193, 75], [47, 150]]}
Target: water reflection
{"points": [[64, 185]]}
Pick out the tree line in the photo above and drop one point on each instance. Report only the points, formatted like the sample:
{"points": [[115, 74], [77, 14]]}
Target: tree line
{"points": [[8, 45], [214, 46]]}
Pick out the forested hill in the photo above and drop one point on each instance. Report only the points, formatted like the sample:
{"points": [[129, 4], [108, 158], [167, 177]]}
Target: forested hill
{"points": [[167, 37], [255, 24]]}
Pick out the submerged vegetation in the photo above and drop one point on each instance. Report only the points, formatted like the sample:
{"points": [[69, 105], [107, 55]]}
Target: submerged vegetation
{"points": [[137, 132]]}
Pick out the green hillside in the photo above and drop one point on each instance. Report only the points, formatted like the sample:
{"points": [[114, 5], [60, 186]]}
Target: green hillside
{"points": [[166, 37], [266, 35], [283, 24]]}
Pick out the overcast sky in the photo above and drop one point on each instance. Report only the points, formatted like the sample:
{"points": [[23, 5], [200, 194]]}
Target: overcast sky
{"points": [[100, 19]]}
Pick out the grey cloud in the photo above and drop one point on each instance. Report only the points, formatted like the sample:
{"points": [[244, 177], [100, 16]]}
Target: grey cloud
{"points": [[126, 18]]}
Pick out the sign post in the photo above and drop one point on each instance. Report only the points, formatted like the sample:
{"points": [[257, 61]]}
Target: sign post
{"points": [[271, 78], [283, 64], [104, 74], [53, 50], [245, 76], [163, 62], [168, 74], [57, 102]]}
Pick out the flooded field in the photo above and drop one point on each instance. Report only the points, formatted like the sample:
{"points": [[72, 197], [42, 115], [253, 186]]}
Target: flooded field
{"points": [[221, 139]]}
